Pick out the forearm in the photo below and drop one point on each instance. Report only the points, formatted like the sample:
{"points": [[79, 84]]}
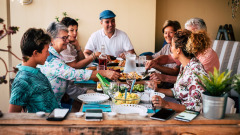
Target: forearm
{"points": [[80, 55], [167, 92], [164, 59], [81, 63], [87, 53], [131, 51], [14, 108], [175, 106], [167, 70]]}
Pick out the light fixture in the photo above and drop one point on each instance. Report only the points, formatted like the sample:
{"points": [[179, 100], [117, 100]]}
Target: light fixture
{"points": [[24, 2]]}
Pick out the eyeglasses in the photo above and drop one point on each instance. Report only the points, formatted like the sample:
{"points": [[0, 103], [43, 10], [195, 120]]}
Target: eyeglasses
{"points": [[64, 38]]}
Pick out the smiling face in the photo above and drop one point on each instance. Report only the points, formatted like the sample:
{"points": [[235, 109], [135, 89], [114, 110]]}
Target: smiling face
{"points": [[61, 41], [72, 32], [108, 25], [168, 34]]}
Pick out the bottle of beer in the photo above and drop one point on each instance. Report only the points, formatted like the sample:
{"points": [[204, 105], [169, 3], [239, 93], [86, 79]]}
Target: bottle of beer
{"points": [[103, 57]]}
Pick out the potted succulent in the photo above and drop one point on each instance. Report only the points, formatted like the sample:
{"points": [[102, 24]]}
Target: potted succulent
{"points": [[215, 96], [236, 86]]}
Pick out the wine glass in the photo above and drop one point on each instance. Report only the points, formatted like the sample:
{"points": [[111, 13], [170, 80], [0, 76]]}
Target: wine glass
{"points": [[130, 77]]}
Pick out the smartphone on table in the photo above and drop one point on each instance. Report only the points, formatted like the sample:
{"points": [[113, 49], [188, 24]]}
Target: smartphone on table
{"points": [[94, 115], [58, 114], [163, 114]]}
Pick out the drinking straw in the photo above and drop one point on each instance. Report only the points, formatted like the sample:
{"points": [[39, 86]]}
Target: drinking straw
{"points": [[132, 86], [125, 93]]}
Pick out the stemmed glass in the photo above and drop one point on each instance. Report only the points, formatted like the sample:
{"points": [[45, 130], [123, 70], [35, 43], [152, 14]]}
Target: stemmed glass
{"points": [[130, 78]]}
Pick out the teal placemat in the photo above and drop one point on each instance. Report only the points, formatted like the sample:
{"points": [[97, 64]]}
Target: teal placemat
{"points": [[88, 82], [151, 111], [105, 108]]}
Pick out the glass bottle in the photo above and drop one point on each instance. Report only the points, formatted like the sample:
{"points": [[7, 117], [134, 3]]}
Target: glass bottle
{"points": [[103, 57]]}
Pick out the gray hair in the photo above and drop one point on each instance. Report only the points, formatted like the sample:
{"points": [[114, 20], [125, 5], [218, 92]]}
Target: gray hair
{"points": [[197, 23], [54, 28]]}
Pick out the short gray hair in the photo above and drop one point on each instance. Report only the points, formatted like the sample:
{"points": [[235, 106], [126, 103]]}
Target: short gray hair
{"points": [[197, 23], [54, 28]]}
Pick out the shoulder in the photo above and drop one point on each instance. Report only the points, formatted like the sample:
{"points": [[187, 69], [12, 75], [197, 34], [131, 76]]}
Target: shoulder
{"points": [[121, 33], [96, 33], [196, 66]]}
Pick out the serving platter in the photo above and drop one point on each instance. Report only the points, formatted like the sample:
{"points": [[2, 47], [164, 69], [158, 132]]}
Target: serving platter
{"points": [[129, 108], [93, 98]]}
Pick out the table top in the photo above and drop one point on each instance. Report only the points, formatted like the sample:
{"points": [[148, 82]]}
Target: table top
{"points": [[130, 119]]}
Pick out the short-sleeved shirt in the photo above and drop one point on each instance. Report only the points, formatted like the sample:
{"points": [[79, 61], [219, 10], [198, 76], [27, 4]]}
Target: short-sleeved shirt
{"points": [[187, 88], [32, 90], [209, 59], [58, 72], [114, 46], [165, 51], [69, 54]]}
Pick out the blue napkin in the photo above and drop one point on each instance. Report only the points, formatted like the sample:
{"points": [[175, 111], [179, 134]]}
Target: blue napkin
{"points": [[105, 108], [151, 111]]}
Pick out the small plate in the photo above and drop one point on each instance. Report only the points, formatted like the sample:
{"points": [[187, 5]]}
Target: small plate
{"points": [[40, 114], [112, 114], [79, 114]]}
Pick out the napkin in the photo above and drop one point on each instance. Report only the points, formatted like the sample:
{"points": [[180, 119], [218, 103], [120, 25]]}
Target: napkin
{"points": [[105, 108]]}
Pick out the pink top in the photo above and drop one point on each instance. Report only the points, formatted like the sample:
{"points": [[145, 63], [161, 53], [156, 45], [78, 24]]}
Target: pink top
{"points": [[209, 59]]}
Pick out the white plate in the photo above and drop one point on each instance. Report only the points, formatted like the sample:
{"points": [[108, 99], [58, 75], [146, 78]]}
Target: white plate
{"points": [[145, 96], [93, 98], [129, 108]]}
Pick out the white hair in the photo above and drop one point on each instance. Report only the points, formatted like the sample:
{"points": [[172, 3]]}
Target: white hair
{"points": [[197, 23]]}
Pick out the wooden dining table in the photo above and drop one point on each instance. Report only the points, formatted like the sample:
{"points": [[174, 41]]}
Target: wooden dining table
{"points": [[121, 124]]}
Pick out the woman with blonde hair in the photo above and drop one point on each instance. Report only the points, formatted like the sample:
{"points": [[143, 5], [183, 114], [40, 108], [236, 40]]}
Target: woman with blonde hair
{"points": [[186, 88]]}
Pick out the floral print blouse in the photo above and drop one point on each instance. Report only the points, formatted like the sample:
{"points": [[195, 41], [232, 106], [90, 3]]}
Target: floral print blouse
{"points": [[186, 87], [58, 73]]}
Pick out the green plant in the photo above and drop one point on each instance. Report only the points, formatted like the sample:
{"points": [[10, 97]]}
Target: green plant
{"points": [[64, 15], [236, 83], [3, 33], [234, 6], [216, 84]]}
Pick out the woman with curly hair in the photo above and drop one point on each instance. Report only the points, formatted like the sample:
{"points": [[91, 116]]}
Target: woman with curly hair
{"points": [[186, 88]]}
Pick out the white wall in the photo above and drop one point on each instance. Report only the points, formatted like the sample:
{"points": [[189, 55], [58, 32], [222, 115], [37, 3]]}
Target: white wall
{"points": [[135, 17]]}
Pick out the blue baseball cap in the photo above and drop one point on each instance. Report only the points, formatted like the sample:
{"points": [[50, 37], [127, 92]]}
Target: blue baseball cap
{"points": [[106, 14]]}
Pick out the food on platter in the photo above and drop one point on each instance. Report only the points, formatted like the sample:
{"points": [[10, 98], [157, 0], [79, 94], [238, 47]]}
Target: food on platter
{"points": [[131, 74], [119, 98]]}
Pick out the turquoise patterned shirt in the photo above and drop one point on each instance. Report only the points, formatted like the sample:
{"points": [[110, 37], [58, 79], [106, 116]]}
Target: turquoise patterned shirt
{"points": [[58, 72], [32, 90]]}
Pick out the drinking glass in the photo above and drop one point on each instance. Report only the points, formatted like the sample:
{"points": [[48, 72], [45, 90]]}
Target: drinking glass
{"points": [[142, 61], [149, 88], [101, 67], [130, 78], [114, 86]]}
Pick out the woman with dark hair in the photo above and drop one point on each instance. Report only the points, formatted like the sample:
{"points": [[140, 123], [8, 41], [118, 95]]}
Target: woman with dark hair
{"points": [[186, 88], [73, 55]]}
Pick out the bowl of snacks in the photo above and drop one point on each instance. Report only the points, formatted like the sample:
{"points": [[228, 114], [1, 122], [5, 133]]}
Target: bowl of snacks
{"points": [[118, 98]]}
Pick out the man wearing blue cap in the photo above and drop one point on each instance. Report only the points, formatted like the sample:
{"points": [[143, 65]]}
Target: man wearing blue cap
{"points": [[116, 41]]}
